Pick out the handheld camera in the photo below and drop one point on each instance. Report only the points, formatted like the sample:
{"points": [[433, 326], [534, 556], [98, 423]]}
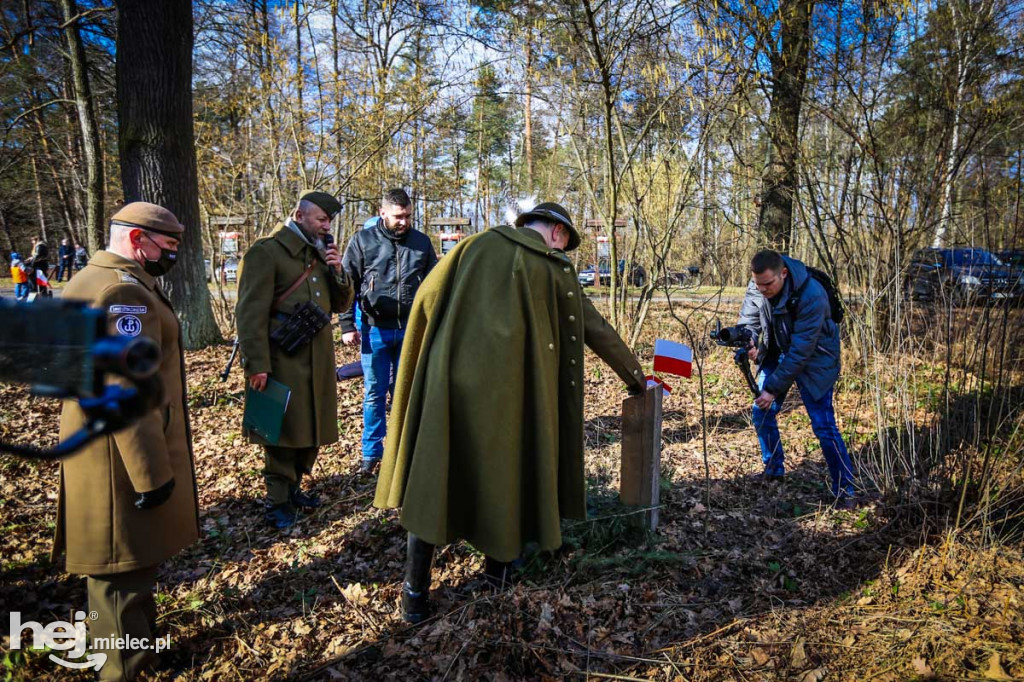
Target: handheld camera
{"points": [[62, 350]]}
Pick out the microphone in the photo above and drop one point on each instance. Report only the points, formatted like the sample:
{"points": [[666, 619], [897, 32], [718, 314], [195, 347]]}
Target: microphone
{"points": [[328, 241]]}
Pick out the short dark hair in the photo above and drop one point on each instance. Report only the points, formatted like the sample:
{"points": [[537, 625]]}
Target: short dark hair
{"points": [[396, 197], [766, 260]]}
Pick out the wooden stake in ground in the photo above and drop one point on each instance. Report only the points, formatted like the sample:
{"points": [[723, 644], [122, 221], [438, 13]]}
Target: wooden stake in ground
{"points": [[641, 454]]}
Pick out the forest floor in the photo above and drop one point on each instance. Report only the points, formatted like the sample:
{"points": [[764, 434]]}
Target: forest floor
{"points": [[741, 581]]}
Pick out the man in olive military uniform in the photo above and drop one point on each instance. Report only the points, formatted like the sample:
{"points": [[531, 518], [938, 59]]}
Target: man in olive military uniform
{"points": [[293, 267], [127, 502], [486, 429]]}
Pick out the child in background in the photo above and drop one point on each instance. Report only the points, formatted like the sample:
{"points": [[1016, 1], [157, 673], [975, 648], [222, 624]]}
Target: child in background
{"points": [[19, 273]]}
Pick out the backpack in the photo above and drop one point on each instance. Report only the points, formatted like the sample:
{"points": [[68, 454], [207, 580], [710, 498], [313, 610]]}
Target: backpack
{"points": [[835, 302]]}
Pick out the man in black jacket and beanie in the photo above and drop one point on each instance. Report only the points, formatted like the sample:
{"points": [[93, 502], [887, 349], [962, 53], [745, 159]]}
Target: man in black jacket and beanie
{"points": [[387, 263]]}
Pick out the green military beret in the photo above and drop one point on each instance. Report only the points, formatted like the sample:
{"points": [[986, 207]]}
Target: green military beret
{"points": [[328, 203]]}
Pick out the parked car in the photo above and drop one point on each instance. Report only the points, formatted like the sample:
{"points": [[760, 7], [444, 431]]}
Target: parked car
{"points": [[962, 275], [587, 277], [637, 274], [230, 269], [689, 277]]}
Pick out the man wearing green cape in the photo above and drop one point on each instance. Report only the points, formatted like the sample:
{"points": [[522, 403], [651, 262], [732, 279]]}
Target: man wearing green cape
{"points": [[486, 428]]}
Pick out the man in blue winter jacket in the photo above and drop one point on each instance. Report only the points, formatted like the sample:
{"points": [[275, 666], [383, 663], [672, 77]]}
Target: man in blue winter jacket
{"points": [[788, 312]]}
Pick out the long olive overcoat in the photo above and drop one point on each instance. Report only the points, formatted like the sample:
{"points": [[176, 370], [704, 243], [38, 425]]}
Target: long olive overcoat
{"points": [[485, 440], [97, 522], [269, 268]]}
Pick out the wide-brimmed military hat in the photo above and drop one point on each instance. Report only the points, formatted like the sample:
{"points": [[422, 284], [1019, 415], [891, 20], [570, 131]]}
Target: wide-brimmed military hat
{"points": [[149, 217], [327, 202], [549, 210]]}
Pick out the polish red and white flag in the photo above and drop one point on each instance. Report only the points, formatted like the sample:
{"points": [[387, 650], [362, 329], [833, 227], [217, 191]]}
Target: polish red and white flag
{"points": [[654, 380], [673, 358]]}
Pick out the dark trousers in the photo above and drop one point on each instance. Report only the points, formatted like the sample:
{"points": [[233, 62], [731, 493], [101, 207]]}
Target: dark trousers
{"points": [[125, 608], [284, 468], [64, 266]]}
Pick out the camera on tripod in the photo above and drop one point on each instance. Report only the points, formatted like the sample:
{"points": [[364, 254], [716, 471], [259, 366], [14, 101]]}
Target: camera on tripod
{"points": [[742, 339], [732, 337]]}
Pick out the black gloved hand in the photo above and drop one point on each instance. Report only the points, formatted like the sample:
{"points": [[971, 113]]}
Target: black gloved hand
{"points": [[154, 498]]}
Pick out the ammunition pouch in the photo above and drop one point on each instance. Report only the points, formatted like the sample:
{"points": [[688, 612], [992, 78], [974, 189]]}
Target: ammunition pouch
{"points": [[300, 327]]}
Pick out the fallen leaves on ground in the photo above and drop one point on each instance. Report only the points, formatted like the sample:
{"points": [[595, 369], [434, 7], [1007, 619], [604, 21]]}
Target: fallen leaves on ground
{"points": [[743, 580]]}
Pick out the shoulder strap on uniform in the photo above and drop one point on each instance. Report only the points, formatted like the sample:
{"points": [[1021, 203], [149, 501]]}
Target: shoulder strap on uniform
{"points": [[295, 285]]}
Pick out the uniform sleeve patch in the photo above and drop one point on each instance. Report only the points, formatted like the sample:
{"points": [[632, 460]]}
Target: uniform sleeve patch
{"points": [[128, 277], [128, 310], [129, 325]]}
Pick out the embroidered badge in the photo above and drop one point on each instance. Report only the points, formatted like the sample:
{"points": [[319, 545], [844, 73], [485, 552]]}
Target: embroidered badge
{"points": [[128, 310], [127, 277], [129, 325]]}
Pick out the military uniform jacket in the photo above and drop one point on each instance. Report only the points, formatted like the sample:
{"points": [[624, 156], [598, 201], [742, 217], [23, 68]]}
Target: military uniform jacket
{"points": [[485, 440], [269, 268], [97, 522]]}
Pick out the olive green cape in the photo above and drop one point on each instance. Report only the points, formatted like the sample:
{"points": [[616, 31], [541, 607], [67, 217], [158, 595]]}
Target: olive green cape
{"points": [[485, 440]]}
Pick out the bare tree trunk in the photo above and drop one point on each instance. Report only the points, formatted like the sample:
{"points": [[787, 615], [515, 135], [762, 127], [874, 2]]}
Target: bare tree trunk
{"points": [[38, 190], [968, 27], [338, 100], [156, 142], [300, 76], [479, 165], [5, 227], [950, 171], [528, 115], [58, 186], [90, 136], [265, 60], [789, 74]]}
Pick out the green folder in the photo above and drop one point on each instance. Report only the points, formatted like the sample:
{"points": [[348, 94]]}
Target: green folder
{"points": [[264, 410]]}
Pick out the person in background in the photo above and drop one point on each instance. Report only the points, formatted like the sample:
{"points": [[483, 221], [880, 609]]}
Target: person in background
{"points": [[386, 261], [81, 257], [65, 256], [38, 261], [19, 274]]}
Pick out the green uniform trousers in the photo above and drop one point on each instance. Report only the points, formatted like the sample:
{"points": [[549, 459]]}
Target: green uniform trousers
{"points": [[125, 608], [284, 469]]}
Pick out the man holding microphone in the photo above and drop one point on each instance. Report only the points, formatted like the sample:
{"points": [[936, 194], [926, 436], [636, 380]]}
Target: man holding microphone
{"points": [[296, 266]]}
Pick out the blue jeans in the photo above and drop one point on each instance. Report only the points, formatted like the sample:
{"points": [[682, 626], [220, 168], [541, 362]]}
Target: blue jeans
{"points": [[380, 351], [823, 422], [21, 291]]}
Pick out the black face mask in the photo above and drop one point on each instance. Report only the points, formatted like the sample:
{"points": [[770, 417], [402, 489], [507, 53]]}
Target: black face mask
{"points": [[163, 264]]}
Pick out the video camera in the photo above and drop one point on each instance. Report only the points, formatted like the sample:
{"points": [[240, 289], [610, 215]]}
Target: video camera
{"points": [[62, 349], [742, 339], [732, 337]]}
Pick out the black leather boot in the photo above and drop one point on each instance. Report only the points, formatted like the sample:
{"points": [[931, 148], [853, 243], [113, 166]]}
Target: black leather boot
{"points": [[416, 588]]}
